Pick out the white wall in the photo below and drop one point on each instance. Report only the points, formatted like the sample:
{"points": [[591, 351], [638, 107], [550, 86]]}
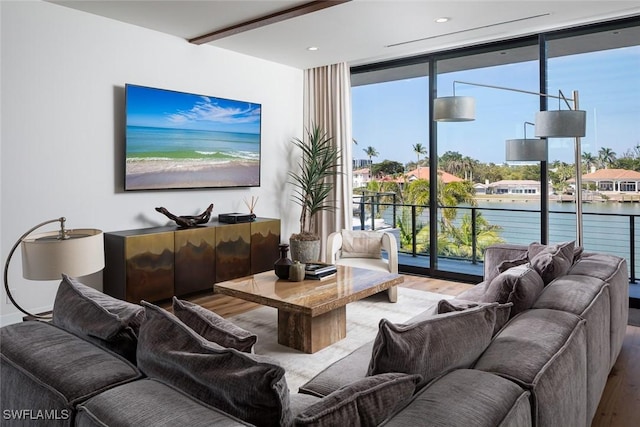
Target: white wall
{"points": [[63, 75]]}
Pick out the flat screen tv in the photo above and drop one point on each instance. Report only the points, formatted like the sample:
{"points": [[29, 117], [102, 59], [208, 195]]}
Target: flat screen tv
{"points": [[177, 140]]}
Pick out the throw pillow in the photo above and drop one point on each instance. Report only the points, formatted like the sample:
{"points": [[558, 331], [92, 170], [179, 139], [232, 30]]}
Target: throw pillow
{"points": [[102, 319], [503, 311], [212, 327], [366, 402], [519, 285], [434, 345], [505, 265], [361, 244], [250, 387], [551, 261]]}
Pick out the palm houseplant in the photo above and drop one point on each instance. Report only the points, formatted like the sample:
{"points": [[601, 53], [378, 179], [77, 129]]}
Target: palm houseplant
{"points": [[313, 183]]}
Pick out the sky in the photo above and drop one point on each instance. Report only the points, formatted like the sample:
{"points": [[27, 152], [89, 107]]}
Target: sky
{"points": [[169, 109], [392, 116]]}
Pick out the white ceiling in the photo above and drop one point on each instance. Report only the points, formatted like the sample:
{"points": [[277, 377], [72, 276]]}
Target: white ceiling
{"points": [[359, 31]]}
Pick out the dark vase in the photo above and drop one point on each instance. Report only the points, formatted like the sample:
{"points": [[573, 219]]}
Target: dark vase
{"points": [[282, 265]]}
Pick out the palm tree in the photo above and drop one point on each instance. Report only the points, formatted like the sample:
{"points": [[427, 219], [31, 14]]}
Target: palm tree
{"points": [[419, 149], [452, 162], [370, 152], [606, 156], [589, 160]]}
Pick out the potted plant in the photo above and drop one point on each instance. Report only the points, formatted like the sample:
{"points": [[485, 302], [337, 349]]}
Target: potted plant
{"points": [[313, 185]]}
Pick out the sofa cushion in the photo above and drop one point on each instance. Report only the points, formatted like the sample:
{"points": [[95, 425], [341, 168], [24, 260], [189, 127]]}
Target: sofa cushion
{"points": [[503, 311], [519, 285], [544, 351], [359, 244], [366, 402], [466, 397], [212, 327], [507, 264], [551, 261], [434, 344], [150, 403], [104, 320], [250, 387], [589, 298], [46, 367], [342, 372]]}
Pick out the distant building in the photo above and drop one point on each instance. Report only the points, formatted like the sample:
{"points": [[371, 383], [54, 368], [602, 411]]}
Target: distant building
{"points": [[361, 163], [513, 186], [361, 177], [615, 180], [424, 172]]}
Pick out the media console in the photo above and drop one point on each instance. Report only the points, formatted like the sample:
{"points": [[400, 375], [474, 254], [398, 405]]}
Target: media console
{"points": [[154, 264]]}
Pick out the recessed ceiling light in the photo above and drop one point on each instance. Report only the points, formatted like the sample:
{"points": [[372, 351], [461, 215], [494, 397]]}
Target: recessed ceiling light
{"points": [[312, 48], [442, 20]]}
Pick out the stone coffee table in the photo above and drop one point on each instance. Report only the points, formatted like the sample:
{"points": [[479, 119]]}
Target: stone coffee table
{"points": [[312, 314]]}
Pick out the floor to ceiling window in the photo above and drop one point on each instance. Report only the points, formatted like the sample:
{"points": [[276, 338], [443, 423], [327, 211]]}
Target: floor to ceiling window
{"points": [[471, 155], [603, 67], [406, 161]]}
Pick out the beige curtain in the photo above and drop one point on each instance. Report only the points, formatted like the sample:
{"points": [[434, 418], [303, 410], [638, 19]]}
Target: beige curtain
{"points": [[327, 103]]}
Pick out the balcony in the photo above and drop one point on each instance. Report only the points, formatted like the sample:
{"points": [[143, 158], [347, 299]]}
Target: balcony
{"points": [[464, 232]]}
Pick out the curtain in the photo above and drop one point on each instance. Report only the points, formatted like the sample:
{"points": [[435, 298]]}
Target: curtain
{"points": [[327, 103]]}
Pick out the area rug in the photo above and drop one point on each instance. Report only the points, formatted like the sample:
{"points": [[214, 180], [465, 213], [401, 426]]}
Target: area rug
{"points": [[362, 326], [634, 317]]}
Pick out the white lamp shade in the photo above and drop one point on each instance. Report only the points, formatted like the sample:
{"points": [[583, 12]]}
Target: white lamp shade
{"points": [[45, 257], [561, 124], [521, 150], [454, 109]]}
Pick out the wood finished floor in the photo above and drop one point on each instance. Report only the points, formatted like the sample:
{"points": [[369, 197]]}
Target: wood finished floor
{"points": [[620, 403]]}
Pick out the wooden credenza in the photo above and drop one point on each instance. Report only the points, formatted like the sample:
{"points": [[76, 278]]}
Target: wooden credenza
{"points": [[154, 264]]}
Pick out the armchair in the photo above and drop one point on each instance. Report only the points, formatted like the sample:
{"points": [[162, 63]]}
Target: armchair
{"points": [[363, 249]]}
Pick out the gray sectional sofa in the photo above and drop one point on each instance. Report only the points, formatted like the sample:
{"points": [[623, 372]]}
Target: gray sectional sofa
{"points": [[546, 366], [531, 345]]}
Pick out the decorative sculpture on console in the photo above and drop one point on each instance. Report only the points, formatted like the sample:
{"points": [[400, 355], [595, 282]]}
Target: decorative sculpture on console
{"points": [[188, 221]]}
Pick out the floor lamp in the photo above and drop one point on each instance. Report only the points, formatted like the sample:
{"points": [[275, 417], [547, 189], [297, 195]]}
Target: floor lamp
{"points": [[549, 124], [46, 256]]}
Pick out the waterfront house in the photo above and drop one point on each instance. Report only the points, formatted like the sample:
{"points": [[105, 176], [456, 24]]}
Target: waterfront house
{"points": [[614, 180]]}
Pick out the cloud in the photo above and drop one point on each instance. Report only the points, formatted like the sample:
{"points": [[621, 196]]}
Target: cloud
{"points": [[208, 110]]}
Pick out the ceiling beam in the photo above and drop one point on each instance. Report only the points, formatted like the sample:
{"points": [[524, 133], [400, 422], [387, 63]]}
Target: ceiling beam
{"points": [[273, 18]]}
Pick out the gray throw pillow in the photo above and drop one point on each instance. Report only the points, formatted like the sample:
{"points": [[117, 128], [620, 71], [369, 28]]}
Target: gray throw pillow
{"points": [[366, 402], [250, 387], [503, 311], [505, 265], [434, 345], [99, 318], [519, 285], [212, 327], [551, 261]]}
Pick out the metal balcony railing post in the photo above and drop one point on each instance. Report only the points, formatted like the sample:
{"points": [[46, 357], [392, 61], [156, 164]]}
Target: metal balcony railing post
{"points": [[373, 213], [632, 247], [474, 233], [413, 231], [362, 212], [394, 210]]}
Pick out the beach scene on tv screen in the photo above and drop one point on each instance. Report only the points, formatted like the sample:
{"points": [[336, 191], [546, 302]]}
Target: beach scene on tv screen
{"points": [[183, 140]]}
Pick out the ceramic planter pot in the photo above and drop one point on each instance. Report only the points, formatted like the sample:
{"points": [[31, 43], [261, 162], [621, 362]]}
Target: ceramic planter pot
{"points": [[305, 251]]}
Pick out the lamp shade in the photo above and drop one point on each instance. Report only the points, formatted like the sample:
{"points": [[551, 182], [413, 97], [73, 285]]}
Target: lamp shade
{"points": [[46, 257], [521, 150], [561, 124], [454, 109]]}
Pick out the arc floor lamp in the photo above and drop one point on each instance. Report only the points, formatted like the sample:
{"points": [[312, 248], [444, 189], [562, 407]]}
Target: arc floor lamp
{"points": [[47, 255], [548, 124]]}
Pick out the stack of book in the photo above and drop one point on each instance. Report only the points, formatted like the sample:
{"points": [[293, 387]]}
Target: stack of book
{"points": [[319, 271]]}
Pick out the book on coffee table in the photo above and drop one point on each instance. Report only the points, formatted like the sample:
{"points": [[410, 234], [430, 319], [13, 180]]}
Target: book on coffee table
{"points": [[318, 270]]}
